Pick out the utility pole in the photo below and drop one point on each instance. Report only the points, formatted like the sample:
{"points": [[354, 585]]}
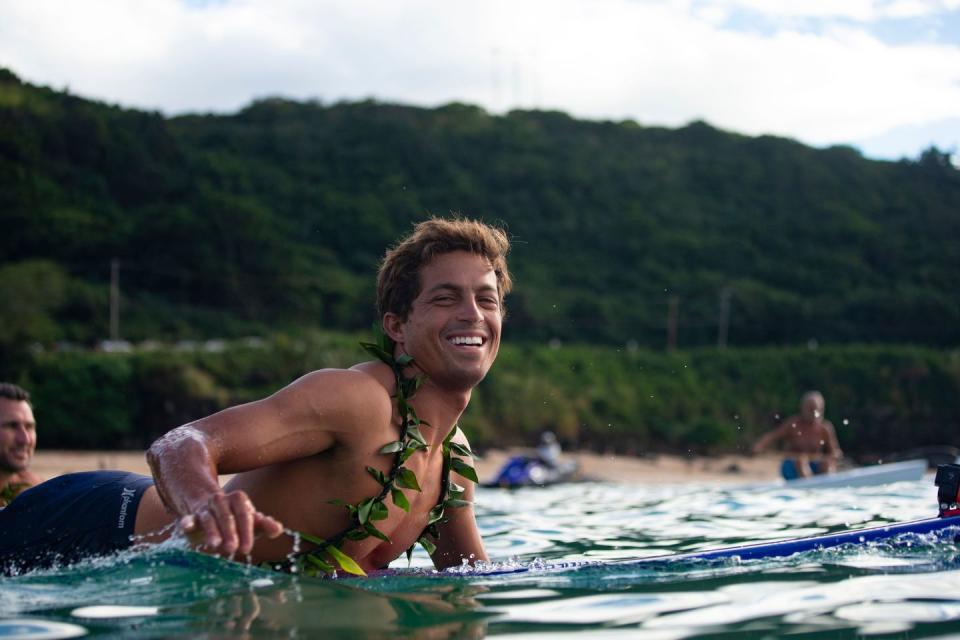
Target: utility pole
{"points": [[114, 299], [723, 323], [673, 312]]}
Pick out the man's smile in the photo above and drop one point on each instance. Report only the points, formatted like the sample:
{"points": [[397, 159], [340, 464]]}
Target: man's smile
{"points": [[461, 340]]}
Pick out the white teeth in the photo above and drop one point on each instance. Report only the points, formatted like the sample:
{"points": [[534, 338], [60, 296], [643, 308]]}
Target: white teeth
{"points": [[472, 340]]}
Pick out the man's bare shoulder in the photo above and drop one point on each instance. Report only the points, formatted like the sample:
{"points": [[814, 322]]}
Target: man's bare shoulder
{"points": [[342, 395], [25, 477], [787, 427], [828, 426]]}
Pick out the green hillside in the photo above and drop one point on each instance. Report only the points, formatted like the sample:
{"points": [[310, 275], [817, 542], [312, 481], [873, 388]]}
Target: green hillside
{"points": [[274, 218]]}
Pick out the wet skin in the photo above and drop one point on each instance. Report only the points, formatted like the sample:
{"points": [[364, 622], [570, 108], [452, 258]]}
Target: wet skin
{"points": [[310, 442]]}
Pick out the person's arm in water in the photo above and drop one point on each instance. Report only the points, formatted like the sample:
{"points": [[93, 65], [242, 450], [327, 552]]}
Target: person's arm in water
{"points": [[459, 536], [298, 421]]}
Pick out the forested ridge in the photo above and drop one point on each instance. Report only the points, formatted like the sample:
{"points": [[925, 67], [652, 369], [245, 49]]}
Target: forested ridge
{"points": [[274, 217], [832, 270]]}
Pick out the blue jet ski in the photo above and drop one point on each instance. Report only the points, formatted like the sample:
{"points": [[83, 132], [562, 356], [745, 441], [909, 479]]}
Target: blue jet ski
{"points": [[531, 471]]}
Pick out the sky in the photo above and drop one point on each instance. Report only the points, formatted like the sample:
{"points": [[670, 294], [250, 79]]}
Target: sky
{"points": [[880, 75]]}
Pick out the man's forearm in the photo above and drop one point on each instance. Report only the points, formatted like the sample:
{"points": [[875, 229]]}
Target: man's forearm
{"points": [[184, 469]]}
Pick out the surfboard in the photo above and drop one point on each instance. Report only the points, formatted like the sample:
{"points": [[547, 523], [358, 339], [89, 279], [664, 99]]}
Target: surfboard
{"points": [[113, 611], [947, 523], [790, 546], [873, 475], [36, 629], [754, 551], [906, 471]]}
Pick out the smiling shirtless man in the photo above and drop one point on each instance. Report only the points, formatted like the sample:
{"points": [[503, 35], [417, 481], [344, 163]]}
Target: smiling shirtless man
{"points": [[440, 299], [18, 441], [809, 440]]}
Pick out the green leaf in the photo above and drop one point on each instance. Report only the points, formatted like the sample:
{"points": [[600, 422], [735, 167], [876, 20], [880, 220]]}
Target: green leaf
{"points": [[407, 479], [404, 360], [320, 564], [312, 539], [363, 510], [453, 487], [427, 544], [393, 447], [436, 514], [356, 535], [379, 511], [456, 503], [409, 451], [409, 555], [400, 500], [464, 469], [377, 475], [377, 352], [346, 563], [414, 433], [453, 433], [376, 533], [459, 449]]}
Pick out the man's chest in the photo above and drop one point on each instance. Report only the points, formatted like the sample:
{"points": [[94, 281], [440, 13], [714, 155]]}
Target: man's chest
{"points": [[809, 437]]}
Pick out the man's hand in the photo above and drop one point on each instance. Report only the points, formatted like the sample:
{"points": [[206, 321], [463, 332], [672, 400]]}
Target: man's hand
{"points": [[227, 524]]}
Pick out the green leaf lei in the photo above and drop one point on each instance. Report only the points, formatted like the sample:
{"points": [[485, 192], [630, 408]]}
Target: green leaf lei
{"points": [[328, 555], [11, 491]]}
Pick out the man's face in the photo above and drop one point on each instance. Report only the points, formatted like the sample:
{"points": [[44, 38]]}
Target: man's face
{"points": [[18, 435], [453, 328], [812, 409]]}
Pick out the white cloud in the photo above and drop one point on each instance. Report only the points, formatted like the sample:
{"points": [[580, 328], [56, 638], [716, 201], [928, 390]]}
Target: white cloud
{"points": [[659, 62]]}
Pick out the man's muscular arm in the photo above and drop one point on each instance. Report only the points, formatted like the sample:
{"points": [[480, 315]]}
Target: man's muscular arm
{"points": [[459, 537], [770, 437], [298, 421], [831, 447]]}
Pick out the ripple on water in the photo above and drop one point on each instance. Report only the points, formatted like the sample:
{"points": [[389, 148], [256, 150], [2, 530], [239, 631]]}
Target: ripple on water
{"points": [[547, 534]]}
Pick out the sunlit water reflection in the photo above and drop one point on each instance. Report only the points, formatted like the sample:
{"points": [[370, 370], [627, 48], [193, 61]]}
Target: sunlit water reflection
{"points": [[910, 588]]}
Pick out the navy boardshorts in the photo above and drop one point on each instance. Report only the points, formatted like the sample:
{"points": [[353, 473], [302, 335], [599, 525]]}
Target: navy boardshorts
{"points": [[789, 471], [69, 518]]}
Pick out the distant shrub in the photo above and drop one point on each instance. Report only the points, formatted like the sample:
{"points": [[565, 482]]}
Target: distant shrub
{"points": [[881, 398]]}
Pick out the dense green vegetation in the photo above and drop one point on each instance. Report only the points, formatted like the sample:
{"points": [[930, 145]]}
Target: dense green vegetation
{"points": [[274, 217], [882, 399], [270, 222]]}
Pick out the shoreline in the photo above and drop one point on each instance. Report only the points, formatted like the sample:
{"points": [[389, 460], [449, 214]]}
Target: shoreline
{"points": [[653, 469]]}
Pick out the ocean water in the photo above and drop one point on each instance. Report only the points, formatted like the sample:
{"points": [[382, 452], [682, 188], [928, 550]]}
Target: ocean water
{"points": [[906, 590]]}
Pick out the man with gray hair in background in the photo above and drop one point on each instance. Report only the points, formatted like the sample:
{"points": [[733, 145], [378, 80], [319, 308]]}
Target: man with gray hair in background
{"points": [[18, 440], [808, 438]]}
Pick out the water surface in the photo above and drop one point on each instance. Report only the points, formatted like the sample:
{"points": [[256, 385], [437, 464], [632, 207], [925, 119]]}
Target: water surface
{"points": [[908, 588]]}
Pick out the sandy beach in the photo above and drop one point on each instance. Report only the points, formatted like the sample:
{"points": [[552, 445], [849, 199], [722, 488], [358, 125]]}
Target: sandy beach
{"points": [[658, 469]]}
